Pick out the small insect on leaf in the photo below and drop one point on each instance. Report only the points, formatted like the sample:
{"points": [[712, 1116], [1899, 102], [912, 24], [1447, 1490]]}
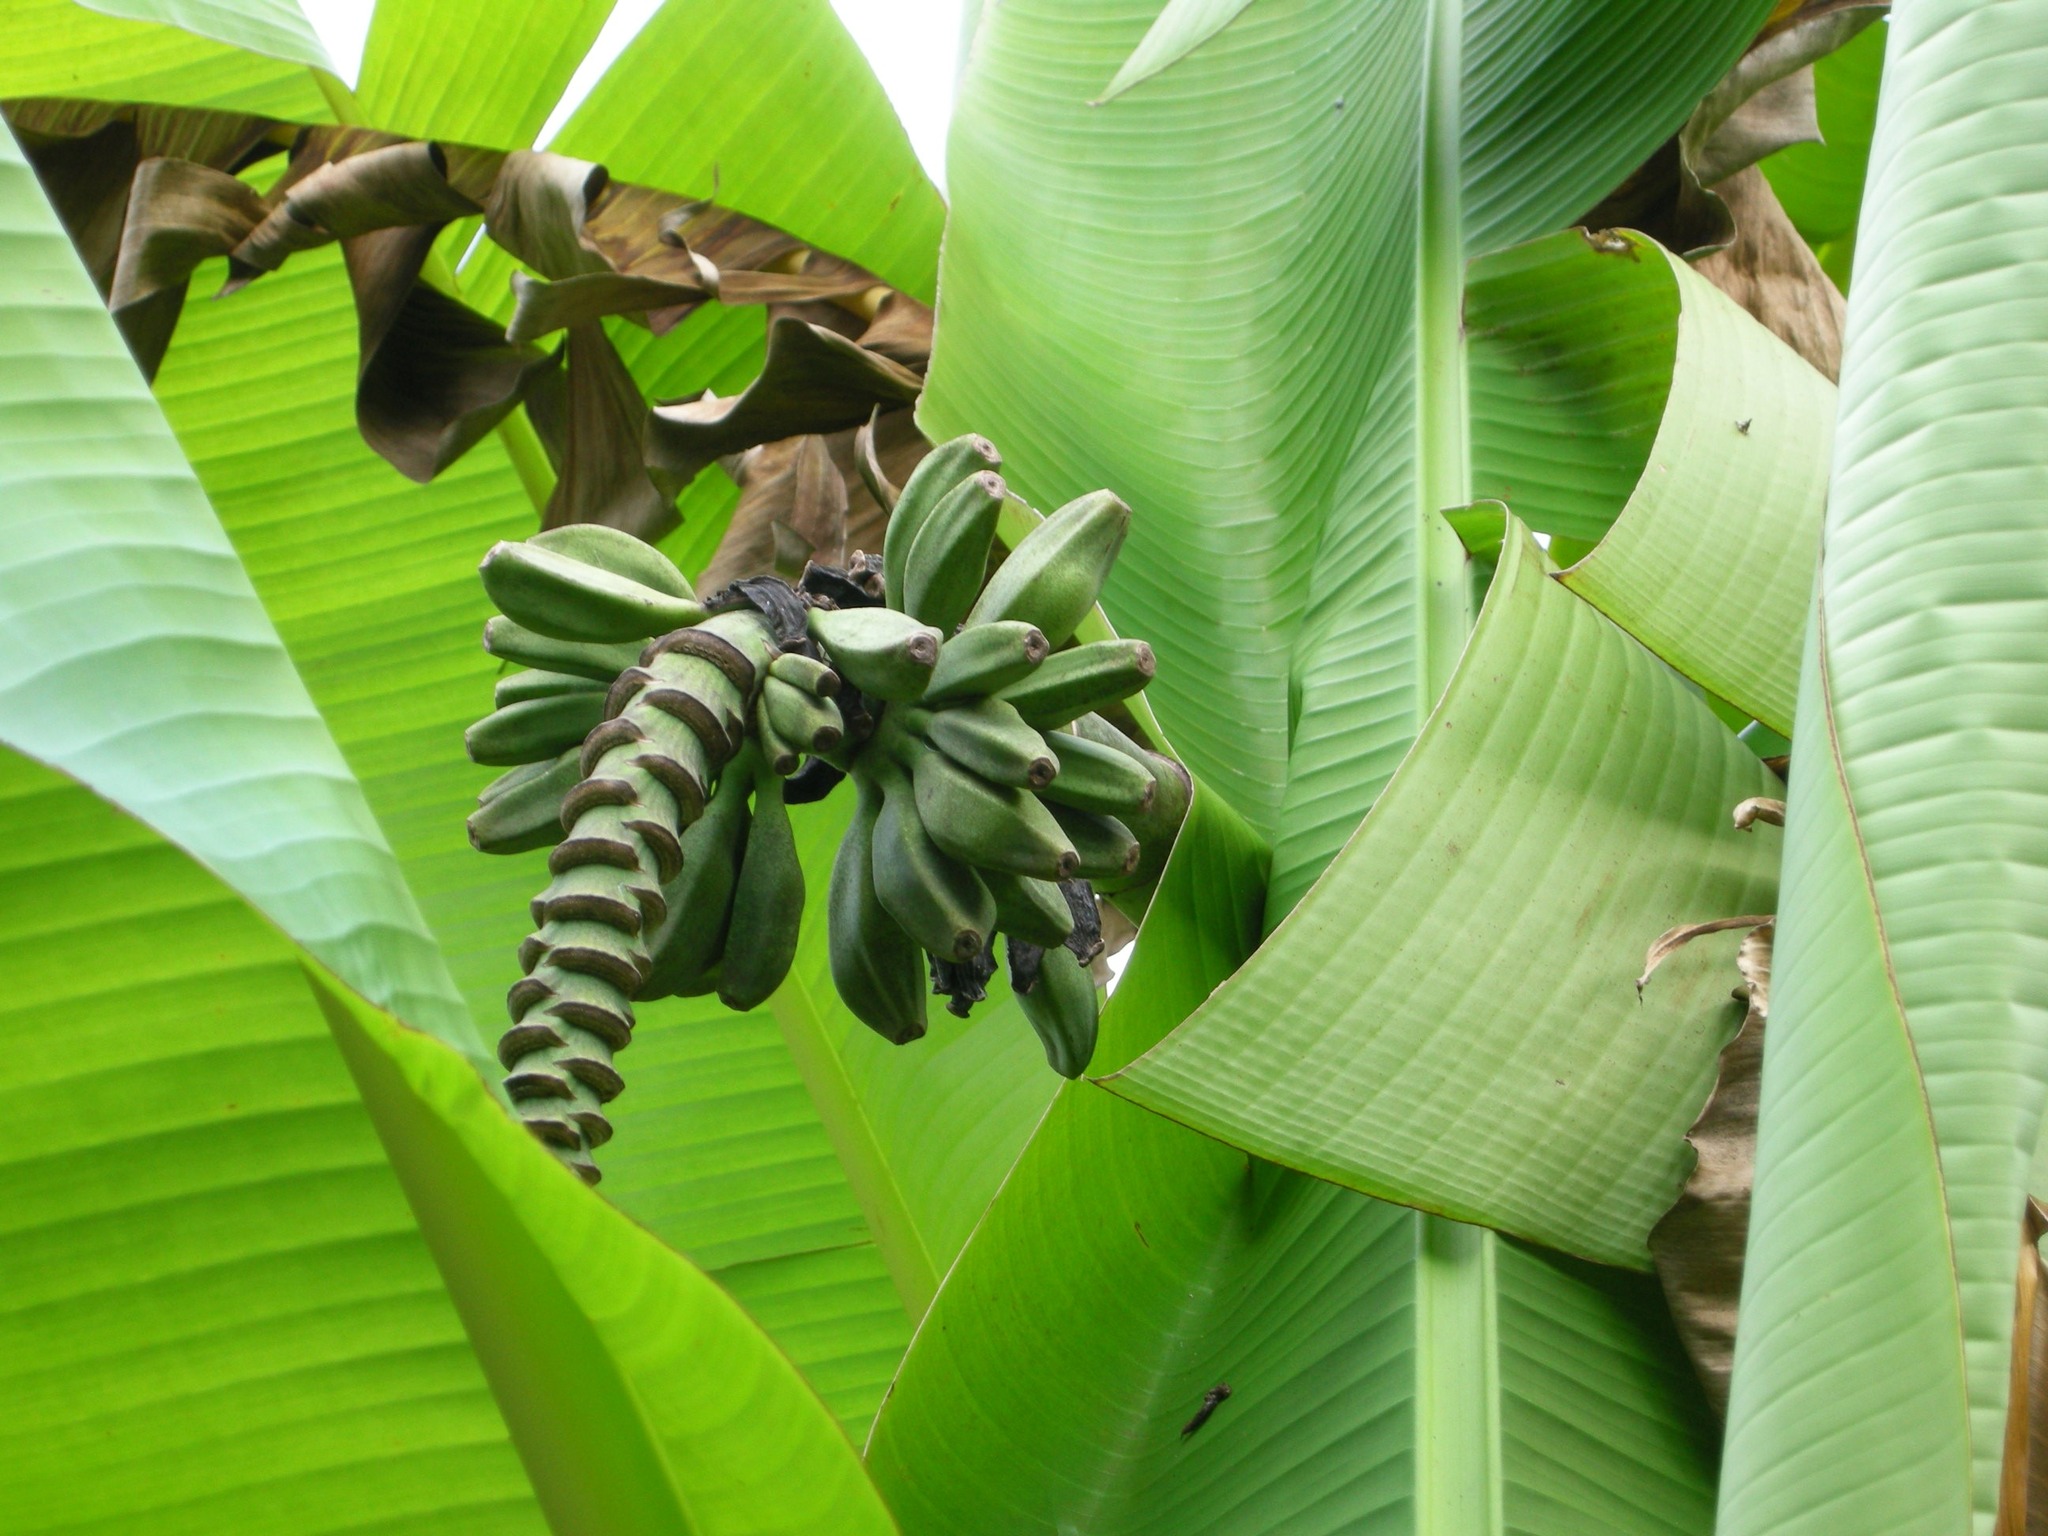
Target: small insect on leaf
{"points": [[1211, 1401]]}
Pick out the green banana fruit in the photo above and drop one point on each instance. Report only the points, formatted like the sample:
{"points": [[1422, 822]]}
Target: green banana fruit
{"points": [[1069, 684], [535, 729], [565, 599], [1108, 852], [805, 721], [1062, 1007], [767, 904], [877, 967], [936, 474], [1054, 574], [519, 687], [949, 560], [1035, 911], [935, 898], [522, 810], [1158, 824], [1098, 778], [513, 642], [988, 737], [686, 949], [983, 658], [615, 550], [990, 825], [883, 653], [805, 672], [782, 755]]}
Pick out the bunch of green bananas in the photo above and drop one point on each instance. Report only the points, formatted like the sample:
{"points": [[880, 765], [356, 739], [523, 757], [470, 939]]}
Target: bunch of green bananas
{"points": [[991, 793], [649, 737], [652, 772]]}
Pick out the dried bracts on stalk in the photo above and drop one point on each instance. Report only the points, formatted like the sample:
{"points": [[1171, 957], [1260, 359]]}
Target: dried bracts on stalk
{"points": [[656, 741]]}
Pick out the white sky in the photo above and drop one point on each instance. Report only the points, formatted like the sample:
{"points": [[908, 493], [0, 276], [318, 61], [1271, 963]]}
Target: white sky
{"points": [[913, 44]]}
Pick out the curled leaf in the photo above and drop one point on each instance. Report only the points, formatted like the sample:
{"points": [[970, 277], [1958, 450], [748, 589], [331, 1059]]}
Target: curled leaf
{"points": [[1673, 940], [433, 375], [812, 381], [1759, 809], [179, 214]]}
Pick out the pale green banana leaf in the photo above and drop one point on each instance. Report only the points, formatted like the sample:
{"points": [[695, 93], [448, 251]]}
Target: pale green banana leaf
{"points": [[137, 659], [277, 28], [1448, 1019], [1905, 1069], [1579, 343], [1181, 28], [58, 48], [1129, 1267], [1294, 201]]}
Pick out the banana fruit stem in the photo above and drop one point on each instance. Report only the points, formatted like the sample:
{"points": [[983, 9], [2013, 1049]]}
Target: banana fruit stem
{"points": [[672, 723]]}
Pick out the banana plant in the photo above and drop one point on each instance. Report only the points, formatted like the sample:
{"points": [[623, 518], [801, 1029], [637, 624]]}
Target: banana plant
{"points": [[1476, 543]]}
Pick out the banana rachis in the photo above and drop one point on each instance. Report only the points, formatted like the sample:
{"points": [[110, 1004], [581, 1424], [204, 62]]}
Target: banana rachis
{"points": [[651, 734]]}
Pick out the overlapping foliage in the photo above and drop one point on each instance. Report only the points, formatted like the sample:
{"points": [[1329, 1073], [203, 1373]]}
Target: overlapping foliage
{"points": [[1468, 540]]}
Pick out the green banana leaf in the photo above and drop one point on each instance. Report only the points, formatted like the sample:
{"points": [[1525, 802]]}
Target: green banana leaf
{"points": [[1283, 407], [772, 110], [1903, 1073], [277, 28], [58, 48], [1421, 1029], [1130, 1267], [1821, 185], [1602, 365], [135, 658], [456, 70]]}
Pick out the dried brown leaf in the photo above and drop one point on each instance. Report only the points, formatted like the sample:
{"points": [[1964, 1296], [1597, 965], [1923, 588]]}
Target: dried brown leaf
{"points": [[812, 381], [389, 186], [1759, 809], [1771, 272], [2023, 1476], [600, 460], [1698, 1245], [433, 375], [1672, 940], [179, 214], [872, 475]]}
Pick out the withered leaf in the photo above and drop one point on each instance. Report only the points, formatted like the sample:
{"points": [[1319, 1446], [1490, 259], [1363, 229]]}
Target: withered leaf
{"points": [[1771, 272], [179, 214], [87, 155], [601, 472], [901, 330], [1698, 1245], [1759, 808], [433, 375], [2023, 1475], [812, 381], [402, 185]]}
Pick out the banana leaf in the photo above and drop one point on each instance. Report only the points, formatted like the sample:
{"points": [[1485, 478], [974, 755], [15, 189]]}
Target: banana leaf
{"points": [[277, 28], [1617, 397], [1904, 1075], [1151, 1332], [1420, 1029], [59, 48], [136, 660], [1285, 420]]}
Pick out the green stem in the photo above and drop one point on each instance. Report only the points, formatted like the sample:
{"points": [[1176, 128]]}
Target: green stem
{"points": [[522, 444], [1457, 1421]]}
